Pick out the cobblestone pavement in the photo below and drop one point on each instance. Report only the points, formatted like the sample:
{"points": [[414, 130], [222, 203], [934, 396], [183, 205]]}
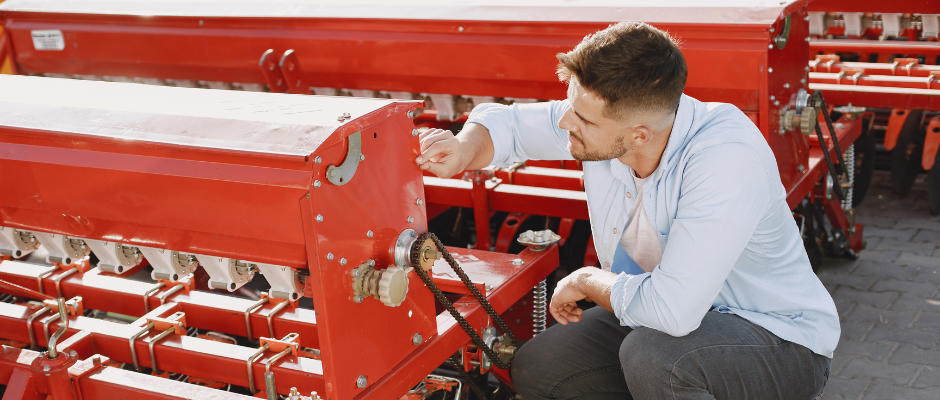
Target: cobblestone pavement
{"points": [[889, 301]]}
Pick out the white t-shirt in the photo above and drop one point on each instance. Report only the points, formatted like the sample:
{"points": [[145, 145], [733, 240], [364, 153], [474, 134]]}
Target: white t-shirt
{"points": [[640, 239]]}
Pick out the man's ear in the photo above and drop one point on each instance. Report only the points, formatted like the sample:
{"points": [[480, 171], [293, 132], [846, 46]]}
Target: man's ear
{"points": [[640, 135]]}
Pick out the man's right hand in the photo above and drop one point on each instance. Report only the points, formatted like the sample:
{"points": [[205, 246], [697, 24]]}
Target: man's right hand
{"points": [[440, 153], [445, 155]]}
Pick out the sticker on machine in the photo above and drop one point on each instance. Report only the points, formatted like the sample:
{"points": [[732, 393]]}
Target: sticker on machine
{"points": [[48, 39]]}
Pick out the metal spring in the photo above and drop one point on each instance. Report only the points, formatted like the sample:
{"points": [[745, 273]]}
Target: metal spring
{"points": [[850, 174], [539, 306]]}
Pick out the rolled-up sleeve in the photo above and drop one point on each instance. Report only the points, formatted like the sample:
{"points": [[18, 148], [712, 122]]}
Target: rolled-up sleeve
{"points": [[523, 132], [724, 194]]}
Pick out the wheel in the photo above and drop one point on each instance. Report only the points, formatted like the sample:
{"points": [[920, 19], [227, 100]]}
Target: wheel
{"points": [[905, 163], [933, 187], [864, 166]]}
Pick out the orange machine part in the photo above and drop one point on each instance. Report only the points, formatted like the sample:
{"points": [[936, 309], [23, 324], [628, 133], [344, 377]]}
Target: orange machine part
{"points": [[895, 123], [931, 143]]}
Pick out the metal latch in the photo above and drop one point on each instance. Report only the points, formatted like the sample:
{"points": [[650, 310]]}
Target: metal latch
{"points": [[342, 174]]}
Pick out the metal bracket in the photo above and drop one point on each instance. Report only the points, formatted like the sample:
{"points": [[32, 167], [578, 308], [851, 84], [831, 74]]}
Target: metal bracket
{"points": [[781, 40], [272, 74], [342, 174], [293, 75]]}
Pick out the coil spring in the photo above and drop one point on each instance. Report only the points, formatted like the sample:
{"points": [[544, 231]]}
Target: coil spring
{"points": [[850, 174], [539, 307]]}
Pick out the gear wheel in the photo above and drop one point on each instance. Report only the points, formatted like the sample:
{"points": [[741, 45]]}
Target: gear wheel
{"points": [[808, 120], [393, 287]]}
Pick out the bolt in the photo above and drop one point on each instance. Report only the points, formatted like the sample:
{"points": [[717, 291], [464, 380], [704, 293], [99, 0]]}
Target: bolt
{"points": [[347, 116], [518, 261], [772, 98], [806, 18], [806, 68], [73, 353], [355, 272], [771, 30], [414, 132], [342, 261], [459, 29], [329, 256], [314, 395], [770, 46], [410, 219], [316, 184], [803, 81], [369, 234], [319, 217], [488, 287], [786, 85], [371, 263], [362, 157], [770, 70], [357, 299], [46, 368], [294, 394], [809, 39], [418, 202], [317, 160], [340, 118], [777, 103], [801, 169], [839, 125], [410, 114], [417, 339], [361, 381]]}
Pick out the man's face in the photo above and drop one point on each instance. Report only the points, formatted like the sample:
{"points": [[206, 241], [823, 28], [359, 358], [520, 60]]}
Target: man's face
{"points": [[591, 135]]}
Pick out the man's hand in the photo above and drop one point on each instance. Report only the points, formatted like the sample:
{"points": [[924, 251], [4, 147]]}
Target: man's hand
{"points": [[445, 155], [589, 283], [440, 153]]}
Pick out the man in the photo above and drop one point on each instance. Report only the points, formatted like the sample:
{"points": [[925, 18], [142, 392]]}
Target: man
{"points": [[711, 293]]}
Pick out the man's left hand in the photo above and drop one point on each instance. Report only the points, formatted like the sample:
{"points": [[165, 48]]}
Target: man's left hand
{"points": [[588, 283]]}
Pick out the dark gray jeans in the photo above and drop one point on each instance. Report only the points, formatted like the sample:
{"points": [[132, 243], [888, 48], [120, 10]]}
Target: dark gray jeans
{"points": [[727, 357]]}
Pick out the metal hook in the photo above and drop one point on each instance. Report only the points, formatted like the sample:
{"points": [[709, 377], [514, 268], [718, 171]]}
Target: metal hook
{"points": [[63, 326]]}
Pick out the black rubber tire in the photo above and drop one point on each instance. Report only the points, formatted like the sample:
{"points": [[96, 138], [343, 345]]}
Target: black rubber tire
{"points": [[905, 157], [933, 187], [864, 166]]}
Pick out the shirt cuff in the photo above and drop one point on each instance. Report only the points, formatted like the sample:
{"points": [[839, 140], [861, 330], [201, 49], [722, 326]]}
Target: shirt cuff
{"points": [[487, 114], [623, 293]]}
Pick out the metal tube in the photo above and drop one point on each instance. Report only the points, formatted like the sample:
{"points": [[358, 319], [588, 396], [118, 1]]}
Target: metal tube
{"points": [[248, 312], [45, 327], [58, 279], [43, 275], [29, 326], [133, 339], [63, 326], [150, 292], [153, 357], [280, 306], [170, 292], [251, 373], [269, 385]]}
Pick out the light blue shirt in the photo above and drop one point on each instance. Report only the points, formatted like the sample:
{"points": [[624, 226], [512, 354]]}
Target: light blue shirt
{"points": [[716, 199]]}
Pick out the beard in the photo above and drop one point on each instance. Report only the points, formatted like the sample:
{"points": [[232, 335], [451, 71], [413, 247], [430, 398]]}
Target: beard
{"points": [[615, 150]]}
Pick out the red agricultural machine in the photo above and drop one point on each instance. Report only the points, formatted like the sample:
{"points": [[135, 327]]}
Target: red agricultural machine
{"points": [[135, 217]]}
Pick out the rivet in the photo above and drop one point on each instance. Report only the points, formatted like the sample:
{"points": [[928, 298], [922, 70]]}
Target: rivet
{"points": [[369, 234], [319, 217], [342, 261], [329, 256], [317, 160], [410, 219], [361, 381], [316, 184]]}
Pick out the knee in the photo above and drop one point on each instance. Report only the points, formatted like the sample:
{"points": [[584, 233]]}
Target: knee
{"points": [[645, 356], [527, 369]]}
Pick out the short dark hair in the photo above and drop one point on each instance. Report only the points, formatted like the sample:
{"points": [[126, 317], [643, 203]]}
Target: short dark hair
{"points": [[631, 65]]}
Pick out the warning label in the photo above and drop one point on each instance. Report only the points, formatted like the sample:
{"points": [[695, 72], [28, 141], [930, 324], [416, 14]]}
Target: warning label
{"points": [[48, 39]]}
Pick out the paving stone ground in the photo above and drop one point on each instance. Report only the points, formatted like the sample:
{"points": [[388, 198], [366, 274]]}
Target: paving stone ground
{"points": [[888, 301]]}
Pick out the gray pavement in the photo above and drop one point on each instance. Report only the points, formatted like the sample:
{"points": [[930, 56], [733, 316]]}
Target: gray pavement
{"points": [[889, 301]]}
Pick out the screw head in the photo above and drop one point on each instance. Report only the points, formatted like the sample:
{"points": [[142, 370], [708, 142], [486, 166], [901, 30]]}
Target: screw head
{"points": [[369, 234], [340, 118], [342, 261], [410, 114], [319, 218], [410, 219], [73, 353], [329, 256], [46, 367], [357, 299], [419, 202], [414, 132], [316, 184], [417, 339], [361, 381], [317, 160], [801, 169], [772, 98], [362, 157]]}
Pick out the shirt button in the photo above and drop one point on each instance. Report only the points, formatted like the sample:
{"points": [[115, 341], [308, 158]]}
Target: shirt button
{"points": [[628, 195], [615, 230]]}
